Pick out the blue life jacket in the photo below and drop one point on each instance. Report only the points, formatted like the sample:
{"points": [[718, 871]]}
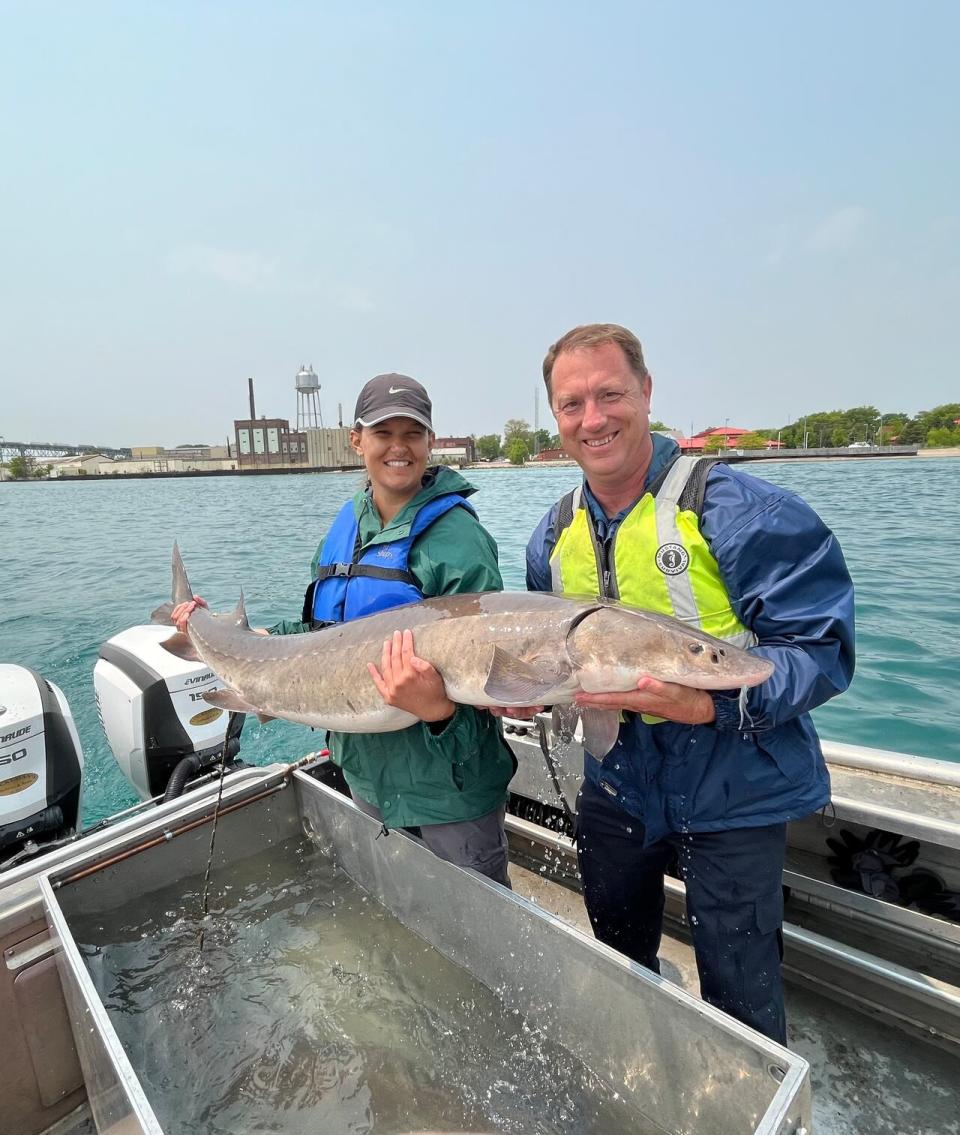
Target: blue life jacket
{"points": [[349, 585]]}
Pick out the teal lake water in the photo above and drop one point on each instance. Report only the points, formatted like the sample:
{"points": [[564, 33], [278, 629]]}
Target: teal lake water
{"points": [[84, 561]]}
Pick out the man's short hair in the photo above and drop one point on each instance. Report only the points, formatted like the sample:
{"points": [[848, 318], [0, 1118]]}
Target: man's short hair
{"points": [[596, 335]]}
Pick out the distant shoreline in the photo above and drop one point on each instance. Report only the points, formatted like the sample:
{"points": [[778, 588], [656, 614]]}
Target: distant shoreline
{"points": [[480, 466]]}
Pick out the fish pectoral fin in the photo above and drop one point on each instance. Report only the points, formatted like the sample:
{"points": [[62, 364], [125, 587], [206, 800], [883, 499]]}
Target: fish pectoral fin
{"points": [[600, 730], [564, 722], [181, 646], [513, 681], [229, 699]]}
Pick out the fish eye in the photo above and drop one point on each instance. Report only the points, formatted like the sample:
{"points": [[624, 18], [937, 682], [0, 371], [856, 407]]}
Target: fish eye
{"points": [[696, 648]]}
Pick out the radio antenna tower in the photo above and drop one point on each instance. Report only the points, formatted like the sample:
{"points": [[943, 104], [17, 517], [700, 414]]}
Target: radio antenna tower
{"points": [[308, 400]]}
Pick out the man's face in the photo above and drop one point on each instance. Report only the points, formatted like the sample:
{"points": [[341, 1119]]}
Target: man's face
{"points": [[395, 453], [603, 412]]}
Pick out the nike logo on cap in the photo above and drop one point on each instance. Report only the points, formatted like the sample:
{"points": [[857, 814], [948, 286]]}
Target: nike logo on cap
{"points": [[398, 390]]}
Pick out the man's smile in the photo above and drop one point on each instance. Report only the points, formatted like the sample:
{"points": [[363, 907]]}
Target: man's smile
{"points": [[596, 443]]}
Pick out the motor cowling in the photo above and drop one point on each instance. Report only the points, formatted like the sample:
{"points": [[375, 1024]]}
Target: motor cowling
{"points": [[152, 709], [41, 761]]}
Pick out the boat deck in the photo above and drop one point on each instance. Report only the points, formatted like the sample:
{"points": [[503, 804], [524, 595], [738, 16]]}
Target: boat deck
{"points": [[868, 1079]]}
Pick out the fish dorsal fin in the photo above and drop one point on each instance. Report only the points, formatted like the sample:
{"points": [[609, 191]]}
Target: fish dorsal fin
{"points": [[600, 730], [516, 681], [180, 645], [239, 615]]}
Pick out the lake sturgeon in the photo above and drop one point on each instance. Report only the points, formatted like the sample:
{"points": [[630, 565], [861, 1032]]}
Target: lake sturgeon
{"points": [[501, 648]]}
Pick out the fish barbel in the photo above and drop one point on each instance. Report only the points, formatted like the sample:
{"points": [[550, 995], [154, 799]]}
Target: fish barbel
{"points": [[497, 648]]}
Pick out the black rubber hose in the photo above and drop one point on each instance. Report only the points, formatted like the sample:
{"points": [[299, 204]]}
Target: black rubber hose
{"points": [[182, 772]]}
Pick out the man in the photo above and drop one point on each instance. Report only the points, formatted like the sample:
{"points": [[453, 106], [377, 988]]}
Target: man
{"points": [[708, 779]]}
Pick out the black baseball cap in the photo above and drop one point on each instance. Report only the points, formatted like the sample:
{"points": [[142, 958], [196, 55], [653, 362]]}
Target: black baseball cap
{"points": [[393, 396]]}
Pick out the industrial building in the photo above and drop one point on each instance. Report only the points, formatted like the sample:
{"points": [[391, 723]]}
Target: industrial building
{"points": [[454, 451], [269, 443]]}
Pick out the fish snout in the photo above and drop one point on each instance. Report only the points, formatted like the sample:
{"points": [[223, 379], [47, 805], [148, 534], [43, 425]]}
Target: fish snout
{"points": [[726, 666]]}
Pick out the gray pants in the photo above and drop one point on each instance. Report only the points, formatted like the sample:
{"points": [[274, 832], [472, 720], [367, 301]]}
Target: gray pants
{"points": [[480, 844]]}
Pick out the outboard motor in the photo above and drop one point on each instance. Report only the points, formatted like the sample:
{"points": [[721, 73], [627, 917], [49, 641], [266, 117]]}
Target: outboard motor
{"points": [[41, 762], [152, 711]]}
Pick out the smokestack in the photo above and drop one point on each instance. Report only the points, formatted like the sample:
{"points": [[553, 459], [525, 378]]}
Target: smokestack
{"points": [[340, 414], [253, 405]]}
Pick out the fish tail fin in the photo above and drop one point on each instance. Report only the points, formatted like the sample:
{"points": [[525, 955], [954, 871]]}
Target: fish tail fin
{"points": [[162, 614], [182, 592]]}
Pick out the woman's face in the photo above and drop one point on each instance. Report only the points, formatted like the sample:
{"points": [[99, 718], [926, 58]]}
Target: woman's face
{"points": [[395, 453]]}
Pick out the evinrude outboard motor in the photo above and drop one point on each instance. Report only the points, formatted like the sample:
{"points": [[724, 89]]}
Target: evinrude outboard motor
{"points": [[41, 762], [152, 710]]}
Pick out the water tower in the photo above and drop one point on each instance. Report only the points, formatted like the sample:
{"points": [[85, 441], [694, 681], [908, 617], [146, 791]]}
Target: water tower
{"points": [[308, 400]]}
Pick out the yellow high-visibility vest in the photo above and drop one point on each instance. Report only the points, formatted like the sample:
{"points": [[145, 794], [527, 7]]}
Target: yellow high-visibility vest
{"points": [[658, 560]]}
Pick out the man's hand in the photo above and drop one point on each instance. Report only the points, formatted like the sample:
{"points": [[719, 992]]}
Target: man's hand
{"points": [[659, 699], [410, 683]]}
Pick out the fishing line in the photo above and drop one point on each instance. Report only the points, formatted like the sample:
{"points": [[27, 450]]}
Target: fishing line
{"points": [[204, 903], [568, 812]]}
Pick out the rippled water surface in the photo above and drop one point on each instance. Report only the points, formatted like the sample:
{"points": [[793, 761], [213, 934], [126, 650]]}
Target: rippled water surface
{"points": [[312, 1010], [84, 561]]}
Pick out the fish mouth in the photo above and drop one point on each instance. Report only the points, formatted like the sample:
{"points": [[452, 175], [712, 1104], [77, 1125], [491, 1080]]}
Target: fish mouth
{"points": [[752, 677]]}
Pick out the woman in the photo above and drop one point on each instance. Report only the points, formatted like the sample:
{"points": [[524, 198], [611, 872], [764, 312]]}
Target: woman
{"points": [[411, 534]]}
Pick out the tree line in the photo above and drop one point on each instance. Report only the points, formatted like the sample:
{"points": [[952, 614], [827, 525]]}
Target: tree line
{"points": [[519, 442], [936, 428], [26, 468], [833, 429]]}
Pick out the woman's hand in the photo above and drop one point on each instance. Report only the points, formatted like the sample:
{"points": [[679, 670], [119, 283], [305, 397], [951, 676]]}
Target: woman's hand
{"points": [[410, 683], [182, 612]]}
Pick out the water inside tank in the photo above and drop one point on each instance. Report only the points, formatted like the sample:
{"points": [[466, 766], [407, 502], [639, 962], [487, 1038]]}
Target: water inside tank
{"points": [[312, 1009]]}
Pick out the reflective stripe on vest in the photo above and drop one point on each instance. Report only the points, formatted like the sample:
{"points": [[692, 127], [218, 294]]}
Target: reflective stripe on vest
{"points": [[659, 560]]}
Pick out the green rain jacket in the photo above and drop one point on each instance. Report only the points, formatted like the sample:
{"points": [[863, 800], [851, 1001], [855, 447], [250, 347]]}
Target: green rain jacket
{"points": [[417, 776]]}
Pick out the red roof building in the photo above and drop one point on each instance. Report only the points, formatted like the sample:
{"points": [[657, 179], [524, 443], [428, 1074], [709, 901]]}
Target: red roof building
{"points": [[698, 442], [691, 444]]}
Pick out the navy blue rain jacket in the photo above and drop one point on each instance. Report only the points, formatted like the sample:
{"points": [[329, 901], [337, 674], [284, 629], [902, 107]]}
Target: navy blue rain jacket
{"points": [[788, 582]]}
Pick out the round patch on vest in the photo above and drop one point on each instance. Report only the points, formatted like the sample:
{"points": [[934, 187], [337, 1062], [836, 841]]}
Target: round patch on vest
{"points": [[672, 559]]}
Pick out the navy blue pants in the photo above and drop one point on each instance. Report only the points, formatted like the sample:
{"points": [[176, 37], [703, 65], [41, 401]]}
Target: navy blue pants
{"points": [[734, 903]]}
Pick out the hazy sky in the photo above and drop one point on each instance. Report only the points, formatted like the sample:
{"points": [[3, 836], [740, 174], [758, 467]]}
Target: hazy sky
{"points": [[194, 193]]}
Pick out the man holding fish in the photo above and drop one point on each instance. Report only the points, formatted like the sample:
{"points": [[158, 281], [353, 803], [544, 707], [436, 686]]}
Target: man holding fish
{"points": [[704, 778]]}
